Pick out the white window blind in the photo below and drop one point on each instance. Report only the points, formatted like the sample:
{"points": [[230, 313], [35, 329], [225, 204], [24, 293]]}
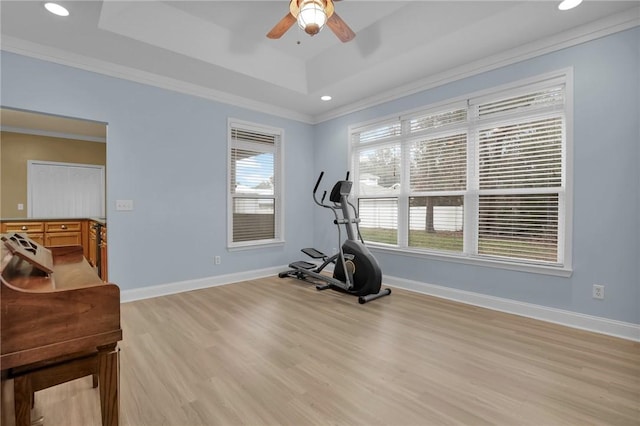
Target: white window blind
{"points": [[379, 181], [482, 178], [378, 133], [380, 170], [379, 219], [521, 175], [254, 184], [65, 190], [526, 101], [519, 226], [437, 120], [439, 164], [523, 154]]}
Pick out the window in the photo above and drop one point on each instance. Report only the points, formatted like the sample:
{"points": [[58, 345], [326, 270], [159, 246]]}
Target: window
{"points": [[65, 189], [255, 185], [481, 178]]}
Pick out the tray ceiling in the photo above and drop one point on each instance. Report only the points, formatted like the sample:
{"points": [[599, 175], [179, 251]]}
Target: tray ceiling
{"points": [[218, 49]]}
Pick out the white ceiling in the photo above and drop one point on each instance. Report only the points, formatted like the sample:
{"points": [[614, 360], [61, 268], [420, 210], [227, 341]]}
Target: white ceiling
{"points": [[218, 49]]}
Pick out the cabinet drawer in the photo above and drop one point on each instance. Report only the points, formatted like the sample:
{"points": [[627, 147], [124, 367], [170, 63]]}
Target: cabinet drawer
{"points": [[27, 227], [63, 239], [60, 226], [38, 237]]}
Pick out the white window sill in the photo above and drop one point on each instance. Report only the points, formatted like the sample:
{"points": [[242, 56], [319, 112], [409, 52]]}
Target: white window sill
{"points": [[550, 269], [255, 245]]}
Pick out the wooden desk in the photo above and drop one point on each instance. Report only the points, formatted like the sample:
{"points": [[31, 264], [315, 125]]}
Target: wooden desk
{"points": [[56, 326]]}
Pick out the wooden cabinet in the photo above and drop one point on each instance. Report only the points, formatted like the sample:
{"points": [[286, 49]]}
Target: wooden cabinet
{"points": [[35, 230], [48, 233], [63, 233], [97, 243], [93, 245], [90, 234], [103, 254]]}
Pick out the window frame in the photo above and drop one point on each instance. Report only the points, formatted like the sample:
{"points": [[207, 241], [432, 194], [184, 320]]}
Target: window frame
{"points": [[278, 190], [469, 255]]}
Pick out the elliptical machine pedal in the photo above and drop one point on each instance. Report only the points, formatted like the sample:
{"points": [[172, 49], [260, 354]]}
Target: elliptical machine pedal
{"points": [[313, 253], [301, 264]]}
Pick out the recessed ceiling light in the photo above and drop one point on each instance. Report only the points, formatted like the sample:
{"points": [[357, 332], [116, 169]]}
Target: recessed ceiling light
{"points": [[56, 9], [325, 98], [569, 4]]}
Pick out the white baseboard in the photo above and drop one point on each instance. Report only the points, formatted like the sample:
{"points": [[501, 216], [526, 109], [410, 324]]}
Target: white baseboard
{"points": [[182, 286], [601, 325], [610, 327]]}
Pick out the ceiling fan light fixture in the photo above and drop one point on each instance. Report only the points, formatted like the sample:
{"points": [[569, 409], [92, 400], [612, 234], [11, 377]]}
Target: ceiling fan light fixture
{"points": [[312, 16]]}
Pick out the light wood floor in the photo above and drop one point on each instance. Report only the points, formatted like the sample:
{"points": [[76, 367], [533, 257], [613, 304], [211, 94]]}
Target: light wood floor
{"points": [[277, 352]]}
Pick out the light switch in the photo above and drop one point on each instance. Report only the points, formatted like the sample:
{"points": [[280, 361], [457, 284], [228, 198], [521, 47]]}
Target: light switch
{"points": [[20, 206], [124, 205]]}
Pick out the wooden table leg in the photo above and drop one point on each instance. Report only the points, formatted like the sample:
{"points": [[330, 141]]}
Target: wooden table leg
{"points": [[22, 400], [7, 411], [108, 382]]}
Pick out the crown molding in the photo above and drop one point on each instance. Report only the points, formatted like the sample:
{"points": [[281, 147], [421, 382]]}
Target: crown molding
{"points": [[63, 57], [594, 30], [50, 134], [582, 34]]}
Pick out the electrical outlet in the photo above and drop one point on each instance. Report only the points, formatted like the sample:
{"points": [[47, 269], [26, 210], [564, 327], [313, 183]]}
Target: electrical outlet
{"points": [[217, 260], [598, 291]]}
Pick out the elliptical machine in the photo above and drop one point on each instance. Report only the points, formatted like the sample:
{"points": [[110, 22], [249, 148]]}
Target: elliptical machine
{"points": [[356, 271]]}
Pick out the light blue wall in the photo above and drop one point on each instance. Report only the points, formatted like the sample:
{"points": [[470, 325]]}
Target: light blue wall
{"points": [[167, 152], [606, 230]]}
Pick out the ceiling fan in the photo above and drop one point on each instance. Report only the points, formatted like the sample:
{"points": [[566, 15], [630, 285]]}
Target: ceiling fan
{"points": [[311, 16]]}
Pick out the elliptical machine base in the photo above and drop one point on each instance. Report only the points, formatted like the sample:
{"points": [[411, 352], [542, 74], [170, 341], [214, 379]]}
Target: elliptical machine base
{"points": [[312, 273]]}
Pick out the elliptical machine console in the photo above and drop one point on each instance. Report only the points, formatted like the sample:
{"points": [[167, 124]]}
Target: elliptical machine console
{"points": [[356, 271]]}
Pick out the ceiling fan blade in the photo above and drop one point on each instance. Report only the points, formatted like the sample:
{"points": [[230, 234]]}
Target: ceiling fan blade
{"points": [[282, 26], [340, 28]]}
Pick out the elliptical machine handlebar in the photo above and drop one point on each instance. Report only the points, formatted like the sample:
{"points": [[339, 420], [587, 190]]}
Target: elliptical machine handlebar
{"points": [[339, 197], [315, 188], [340, 189]]}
